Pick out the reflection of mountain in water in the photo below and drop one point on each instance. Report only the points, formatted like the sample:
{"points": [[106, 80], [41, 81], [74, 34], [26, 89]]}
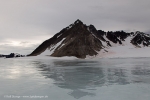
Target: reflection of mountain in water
{"points": [[82, 77]]}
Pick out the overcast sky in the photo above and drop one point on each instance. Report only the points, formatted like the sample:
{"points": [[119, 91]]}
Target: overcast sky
{"points": [[24, 24]]}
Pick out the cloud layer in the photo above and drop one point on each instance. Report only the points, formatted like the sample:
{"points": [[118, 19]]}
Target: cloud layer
{"points": [[26, 23]]}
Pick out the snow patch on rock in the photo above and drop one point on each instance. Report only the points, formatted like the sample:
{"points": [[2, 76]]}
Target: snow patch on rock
{"points": [[52, 48], [125, 50]]}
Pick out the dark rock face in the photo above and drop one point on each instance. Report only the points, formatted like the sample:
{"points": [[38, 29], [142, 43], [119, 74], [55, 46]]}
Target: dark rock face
{"points": [[112, 37], [97, 33], [80, 40], [118, 36], [141, 38], [76, 39]]}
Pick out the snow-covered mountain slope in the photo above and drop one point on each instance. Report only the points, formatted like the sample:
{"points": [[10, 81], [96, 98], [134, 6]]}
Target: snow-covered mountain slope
{"points": [[83, 41], [126, 49]]}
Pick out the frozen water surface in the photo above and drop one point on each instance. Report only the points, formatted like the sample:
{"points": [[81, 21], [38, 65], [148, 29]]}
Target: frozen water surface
{"points": [[74, 79]]}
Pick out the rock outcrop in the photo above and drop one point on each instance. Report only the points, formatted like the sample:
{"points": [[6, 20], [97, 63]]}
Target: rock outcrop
{"points": [[74, 40], [141, 39], [80, 40]]}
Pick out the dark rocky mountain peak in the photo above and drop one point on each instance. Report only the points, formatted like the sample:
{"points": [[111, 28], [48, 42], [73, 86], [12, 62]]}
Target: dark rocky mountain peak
{"points": [[75, 40], [78, 21], [80, 40]]}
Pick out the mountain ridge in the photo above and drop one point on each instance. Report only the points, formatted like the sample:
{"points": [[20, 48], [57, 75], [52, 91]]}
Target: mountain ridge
{"points": [[80, 40]]}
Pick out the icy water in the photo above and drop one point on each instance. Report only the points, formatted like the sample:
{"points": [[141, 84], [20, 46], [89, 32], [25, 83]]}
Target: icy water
{"points": [[75, 79]]}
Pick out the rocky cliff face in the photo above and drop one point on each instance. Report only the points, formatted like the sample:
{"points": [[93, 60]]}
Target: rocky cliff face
{"points": [[74, 40], [80, 40], [141, 39]]}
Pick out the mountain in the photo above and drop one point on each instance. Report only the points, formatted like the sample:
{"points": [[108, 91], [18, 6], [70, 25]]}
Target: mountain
{"points": [[80, 40], [74, 40]]}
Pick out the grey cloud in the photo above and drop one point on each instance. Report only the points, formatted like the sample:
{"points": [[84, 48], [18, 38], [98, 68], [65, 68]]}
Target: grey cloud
{"points": [[37, 20]]}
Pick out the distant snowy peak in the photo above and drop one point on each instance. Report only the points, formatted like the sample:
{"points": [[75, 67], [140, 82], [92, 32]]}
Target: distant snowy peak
{"points": [[80, 40]]}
